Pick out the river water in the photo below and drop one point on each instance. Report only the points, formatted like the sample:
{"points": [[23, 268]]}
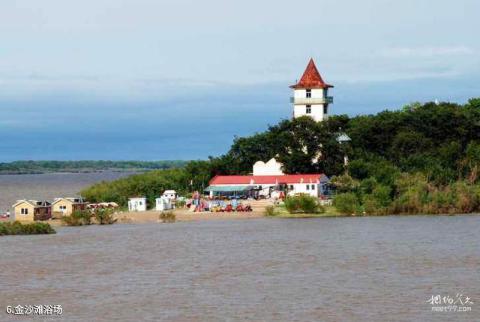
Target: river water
{"points": [[327, 269], [49, 185]]}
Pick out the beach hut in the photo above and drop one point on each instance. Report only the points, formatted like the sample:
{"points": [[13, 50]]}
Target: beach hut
{"points": [[31, 210], [163, 203], [137, 204], [170, 194], [67, 206]]}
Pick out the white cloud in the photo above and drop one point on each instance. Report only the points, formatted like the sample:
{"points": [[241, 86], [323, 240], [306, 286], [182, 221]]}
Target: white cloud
{"points": [[427, 52]]}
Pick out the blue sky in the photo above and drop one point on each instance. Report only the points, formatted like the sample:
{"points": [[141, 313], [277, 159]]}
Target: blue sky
{"points": [[144, 79]]}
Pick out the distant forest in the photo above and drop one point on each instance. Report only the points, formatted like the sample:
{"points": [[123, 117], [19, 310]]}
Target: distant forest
{"points": [[33, 167]]}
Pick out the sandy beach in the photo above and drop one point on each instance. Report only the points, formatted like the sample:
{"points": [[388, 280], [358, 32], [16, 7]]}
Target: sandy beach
{"points": [[184, 215]]}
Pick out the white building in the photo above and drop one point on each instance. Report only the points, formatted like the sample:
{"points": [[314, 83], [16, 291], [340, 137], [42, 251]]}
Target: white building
{"points": [[311, 184], [137, 204], [163, 203], [310, 95], [170, 194]]}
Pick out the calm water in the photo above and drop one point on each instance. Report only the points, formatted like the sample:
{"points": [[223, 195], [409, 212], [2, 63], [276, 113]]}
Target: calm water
{"points": [[339, 269], [48, 186]]}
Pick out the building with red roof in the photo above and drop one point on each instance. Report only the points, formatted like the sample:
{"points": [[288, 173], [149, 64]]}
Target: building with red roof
{"points": [[312, 184], [310, 95]]}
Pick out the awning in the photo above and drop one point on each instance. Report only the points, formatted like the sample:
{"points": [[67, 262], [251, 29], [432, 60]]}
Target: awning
{"points": [[229, 188]]}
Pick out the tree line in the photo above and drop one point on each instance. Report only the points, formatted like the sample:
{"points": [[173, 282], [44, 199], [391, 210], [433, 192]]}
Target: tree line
{"points": [[32, 167], [436, 144]]}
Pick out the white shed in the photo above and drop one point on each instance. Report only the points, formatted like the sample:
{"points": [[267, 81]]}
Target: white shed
{"points": [[137, 204], [163, 203], [170, 194]]}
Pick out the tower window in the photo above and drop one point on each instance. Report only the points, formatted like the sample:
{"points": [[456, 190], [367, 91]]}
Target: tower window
{"points": [[308, 109], [309, 93], [325, 109]]}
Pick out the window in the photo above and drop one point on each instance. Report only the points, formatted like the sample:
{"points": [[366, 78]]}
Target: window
{"points": [[24, 211], [308, 187], [291, 187], [309, 109], [313, 187], [309, 93], [63, 207], [325, 109]]}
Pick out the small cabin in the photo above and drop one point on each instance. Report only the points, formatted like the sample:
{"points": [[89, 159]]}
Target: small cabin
{"points": [[163, 203], [137, 204], [170, 194], [67, 206], [32, 210]]}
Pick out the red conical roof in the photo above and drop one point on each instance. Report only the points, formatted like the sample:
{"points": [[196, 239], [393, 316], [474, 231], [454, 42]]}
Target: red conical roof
{"points": [[311, 78]]}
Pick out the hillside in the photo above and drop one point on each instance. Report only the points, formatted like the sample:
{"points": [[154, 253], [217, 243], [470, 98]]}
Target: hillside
{"points": [[420, 158]]}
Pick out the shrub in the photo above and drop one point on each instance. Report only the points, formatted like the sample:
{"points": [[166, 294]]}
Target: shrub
{"points": [[292, 204], [167, 217], [180, 203], [270, 211], [303, 204], [344, 183], [347, 203], [104, 216], [17, 228], [466, 198], [412, 194], [78, 218]]}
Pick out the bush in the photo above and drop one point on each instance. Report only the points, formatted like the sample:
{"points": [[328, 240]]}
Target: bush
{"points": [[180, 203], [378, 201], [167, 217], [270, 211], [78, 218], [17, 228], [347, 203], [104, 216], [344, 183], [303, 204]]}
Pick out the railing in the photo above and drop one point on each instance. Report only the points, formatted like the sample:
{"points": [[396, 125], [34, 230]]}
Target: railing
{"points": [[42, 216], [311, 100]]}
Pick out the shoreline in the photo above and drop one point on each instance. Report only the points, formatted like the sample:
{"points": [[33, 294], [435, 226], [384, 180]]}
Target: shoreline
{"points": [[183, 215]]}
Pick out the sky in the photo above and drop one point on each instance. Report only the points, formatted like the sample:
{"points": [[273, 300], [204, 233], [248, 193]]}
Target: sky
{"points": [[151, 80]]}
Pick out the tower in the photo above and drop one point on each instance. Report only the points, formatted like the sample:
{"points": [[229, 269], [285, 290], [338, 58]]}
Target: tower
{"points": [[310, 95]]}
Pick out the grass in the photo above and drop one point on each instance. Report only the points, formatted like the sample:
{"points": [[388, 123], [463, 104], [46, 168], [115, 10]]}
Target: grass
{"points": [[270, 211], [281, 212], [17, 228]]}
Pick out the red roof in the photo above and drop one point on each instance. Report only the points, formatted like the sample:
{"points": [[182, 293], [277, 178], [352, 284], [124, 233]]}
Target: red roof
{"points": [[287, 178], [311, 78]]}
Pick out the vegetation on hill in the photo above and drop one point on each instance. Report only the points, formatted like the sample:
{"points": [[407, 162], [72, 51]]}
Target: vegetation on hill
{"points": [[423, 158], [30, 167]]}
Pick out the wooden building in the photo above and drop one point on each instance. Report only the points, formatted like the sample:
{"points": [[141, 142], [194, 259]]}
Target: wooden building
{"points": [[32, 210]]}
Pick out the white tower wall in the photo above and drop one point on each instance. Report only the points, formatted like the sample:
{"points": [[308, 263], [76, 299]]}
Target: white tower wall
{"points": [[317, 102]]}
